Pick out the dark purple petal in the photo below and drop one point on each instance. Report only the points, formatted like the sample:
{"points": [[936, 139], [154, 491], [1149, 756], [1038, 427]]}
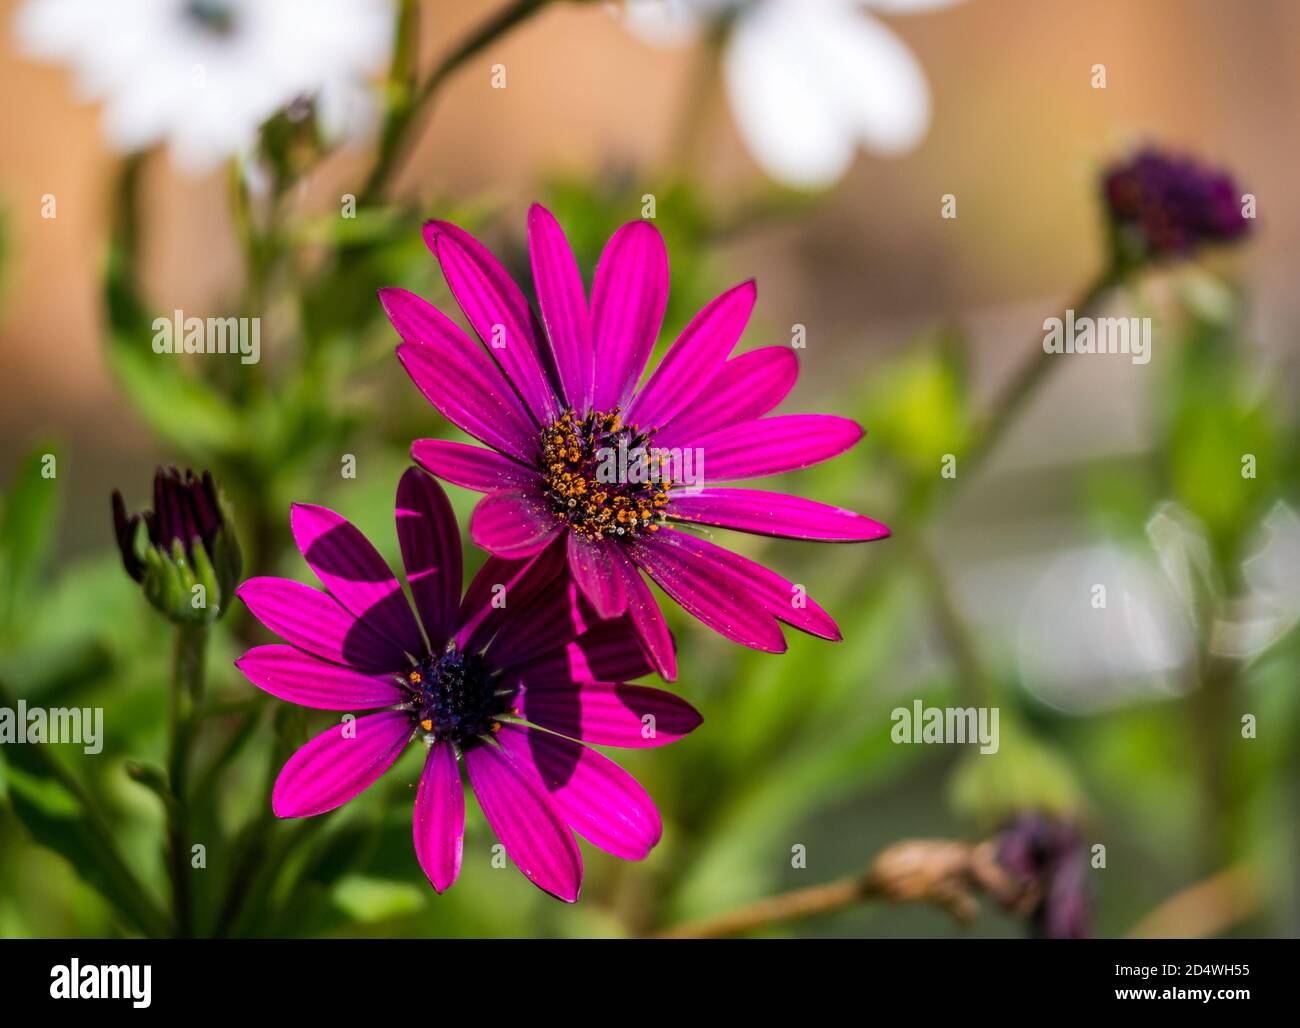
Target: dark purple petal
{"points": [[628, 298], [554, 617], [513, 524], [608, 713], [355, 574], [608, 652], [430, 541], [594, 564], [694, 358], [292, 675], [457, 377], [317, 623], [472, 467], [774, 514], [439, 822], [773, 446], [703, 582], [648, 621], [499, 588], [340, 763], [563, 304], [745, 387], [599, 800], [526, 821], [497, 310]]}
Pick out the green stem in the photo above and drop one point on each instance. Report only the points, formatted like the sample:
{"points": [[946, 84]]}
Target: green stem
{"points": [[186, 694], [404, 117]]}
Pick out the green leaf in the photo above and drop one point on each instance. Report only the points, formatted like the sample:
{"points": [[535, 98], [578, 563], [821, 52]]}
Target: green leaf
{"points": [[28, 523]]}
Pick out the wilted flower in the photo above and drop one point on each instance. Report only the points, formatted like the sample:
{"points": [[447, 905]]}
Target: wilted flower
{"points": [[1048, 852], [204, 75], [511, 681], [578, 452], [1161, 205], [809, 80], [190, 562]]}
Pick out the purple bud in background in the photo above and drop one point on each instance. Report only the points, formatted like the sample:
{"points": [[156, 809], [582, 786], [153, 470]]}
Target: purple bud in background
{"points": [[1165, 206], [1049, 852]]}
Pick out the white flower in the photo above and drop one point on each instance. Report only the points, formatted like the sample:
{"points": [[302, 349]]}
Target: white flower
{"points": [[809, 80], [204, 75]]}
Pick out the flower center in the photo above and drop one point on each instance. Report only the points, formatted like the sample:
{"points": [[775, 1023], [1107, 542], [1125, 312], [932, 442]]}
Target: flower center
{"points": [[215, 16], [453, 696], [602, 477]]}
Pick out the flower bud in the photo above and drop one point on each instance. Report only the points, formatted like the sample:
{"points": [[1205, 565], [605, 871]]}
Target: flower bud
{"points": [[190, 563]]}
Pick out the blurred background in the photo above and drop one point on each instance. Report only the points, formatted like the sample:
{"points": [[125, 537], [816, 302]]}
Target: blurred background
{"points": [[1124, 723]]}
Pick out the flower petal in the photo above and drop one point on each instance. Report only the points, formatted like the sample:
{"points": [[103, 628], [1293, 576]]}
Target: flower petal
{"points": [[701, 580], [471, 467], [430, 542], [554, 617], [290, 674], [773, 446], [500, 588], [513, 524], [526, 821], [497, 310], [745, 387], [315, 622], [628, 299], [648, 621], [599, 800], [774, 514], [457, 377], [594, 566], [340, 763], [439, 822], [608, 713], [694, 358], [355, 574], [607, 652], [563, 303]]}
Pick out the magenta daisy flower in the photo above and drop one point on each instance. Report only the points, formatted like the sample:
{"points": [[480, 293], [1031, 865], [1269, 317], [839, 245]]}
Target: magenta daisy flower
{"points": [[559, 406], [512, 681]]}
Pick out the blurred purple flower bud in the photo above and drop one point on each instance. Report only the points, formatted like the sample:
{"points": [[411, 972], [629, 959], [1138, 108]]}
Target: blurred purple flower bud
{"points": [[1049, 853]]}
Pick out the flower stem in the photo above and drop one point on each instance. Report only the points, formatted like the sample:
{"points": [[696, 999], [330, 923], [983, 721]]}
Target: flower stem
{"points": [[404, 117], [186, 693]]}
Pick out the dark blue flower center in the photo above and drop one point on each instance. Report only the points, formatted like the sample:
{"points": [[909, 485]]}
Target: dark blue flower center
{"points": [[453, 696]]}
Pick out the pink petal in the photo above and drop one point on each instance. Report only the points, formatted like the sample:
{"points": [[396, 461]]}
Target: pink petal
{"points": [[471, 467], [501, 587], [773, 446], [699, 577], [774, 514], [340, 763], [693, 359], [554, 617], [430, 541], [563, 303], [648, 621], [607, 652], [292, 675], [608, 713], [456, 376], [745, 387], [628, 298], [595, 566], [526, 821], [599, 800], [315, 622], [497, 310], [513, 524], [439, 822], [355, 574]]}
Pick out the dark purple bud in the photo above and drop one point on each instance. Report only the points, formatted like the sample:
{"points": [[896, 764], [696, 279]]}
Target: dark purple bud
{"points": [[1048, 853], [1165, 206]]}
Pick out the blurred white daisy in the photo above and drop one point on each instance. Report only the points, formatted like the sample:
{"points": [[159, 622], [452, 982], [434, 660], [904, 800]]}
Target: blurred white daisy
{"points": [[809, 81], [204, 75]]}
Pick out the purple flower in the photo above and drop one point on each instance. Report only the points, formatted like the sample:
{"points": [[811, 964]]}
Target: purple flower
{"points": [[511, 680], [559, 405], [1048, 853], [1162, 205]]}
